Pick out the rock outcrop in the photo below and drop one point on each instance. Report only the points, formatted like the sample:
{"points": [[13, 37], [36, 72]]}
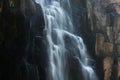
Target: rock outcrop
{"points": [[104, 16], [22, 55], [22, 44]]}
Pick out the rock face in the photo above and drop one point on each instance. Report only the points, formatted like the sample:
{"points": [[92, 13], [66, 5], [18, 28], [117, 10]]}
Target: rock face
{"points": [[22, 55], [104, 16]]}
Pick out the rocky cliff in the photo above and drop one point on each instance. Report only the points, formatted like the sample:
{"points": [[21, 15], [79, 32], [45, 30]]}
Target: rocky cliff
{"points": [[22, 42], [104, 17], [22, 54]]}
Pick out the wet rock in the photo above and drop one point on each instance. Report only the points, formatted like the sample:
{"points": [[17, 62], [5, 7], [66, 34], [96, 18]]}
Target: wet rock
{"points": [[75, 69], [19, 27]]}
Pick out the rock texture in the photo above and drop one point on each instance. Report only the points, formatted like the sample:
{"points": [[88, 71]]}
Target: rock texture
{"points": [[104, 16], [22, 44], [22, 55]]}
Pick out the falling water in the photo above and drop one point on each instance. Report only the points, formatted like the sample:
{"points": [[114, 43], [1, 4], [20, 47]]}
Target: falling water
{"points": [[62, 42]]}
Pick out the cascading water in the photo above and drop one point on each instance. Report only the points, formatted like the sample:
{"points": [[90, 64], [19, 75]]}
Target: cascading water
{"points": [[62, 42]]}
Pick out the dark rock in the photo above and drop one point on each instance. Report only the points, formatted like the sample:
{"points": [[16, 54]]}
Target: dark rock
{"points": [[21, 32]]}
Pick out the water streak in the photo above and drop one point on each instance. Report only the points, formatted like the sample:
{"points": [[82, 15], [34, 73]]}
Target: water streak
{"points": [[59, 27]]}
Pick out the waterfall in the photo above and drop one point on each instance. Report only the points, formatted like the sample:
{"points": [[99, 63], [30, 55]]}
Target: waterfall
{"points": [[62, 41]]}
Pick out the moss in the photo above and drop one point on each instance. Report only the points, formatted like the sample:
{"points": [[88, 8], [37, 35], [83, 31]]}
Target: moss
{"points": [[11, 3], [8, 28]]}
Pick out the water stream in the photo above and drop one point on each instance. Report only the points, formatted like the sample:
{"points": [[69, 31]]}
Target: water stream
{"points": [[62, 41]]}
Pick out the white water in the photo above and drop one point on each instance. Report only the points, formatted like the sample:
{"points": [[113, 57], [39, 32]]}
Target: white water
{"points": [[59, 28]]}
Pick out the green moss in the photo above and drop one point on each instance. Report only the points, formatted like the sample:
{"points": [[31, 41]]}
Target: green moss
{"points": [[11, 3]]}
